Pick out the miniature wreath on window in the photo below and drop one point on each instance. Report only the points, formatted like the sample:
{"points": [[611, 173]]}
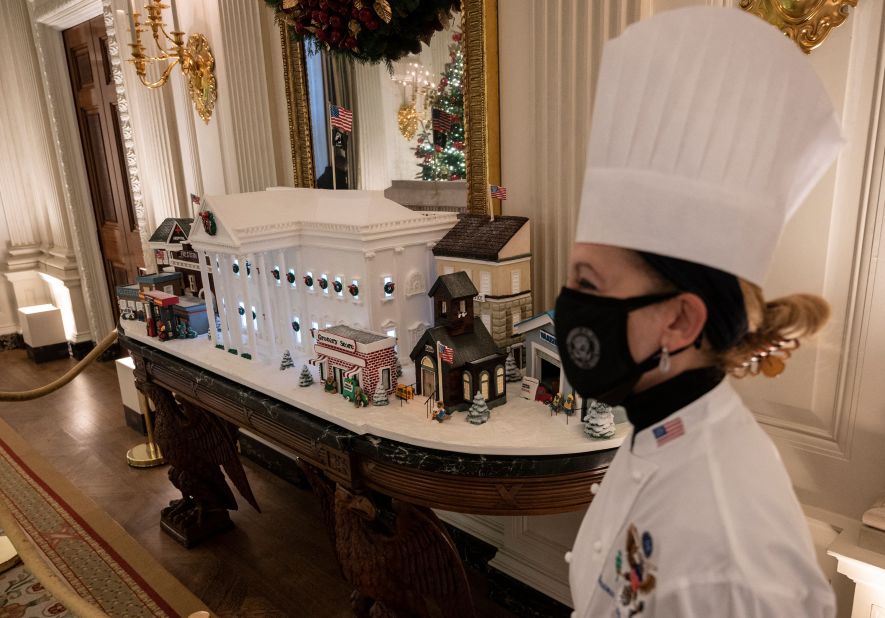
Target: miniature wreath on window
{"points": [[290, 277], [354, 289], [296, 326], [276, 273], [338, 287], [236, 268], [308, 281], [389, 287], [248, 269], [241, 311], [324, 283]]}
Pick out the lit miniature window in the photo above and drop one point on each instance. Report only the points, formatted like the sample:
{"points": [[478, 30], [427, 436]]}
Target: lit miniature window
{"points": [[328, 325], [499, 380], [338, 286], [468, 394], [391, 332], [354, 289], [387, 287], [484, 384]]}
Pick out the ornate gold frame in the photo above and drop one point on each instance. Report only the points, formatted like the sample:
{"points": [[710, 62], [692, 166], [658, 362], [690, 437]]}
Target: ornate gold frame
{"points": [[482, 119], [807, 22]]}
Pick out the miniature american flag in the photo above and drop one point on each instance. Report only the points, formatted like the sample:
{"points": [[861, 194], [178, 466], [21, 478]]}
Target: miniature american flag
{"points": [[341, 118], [499, 193], [446, 353], [668, 431]]}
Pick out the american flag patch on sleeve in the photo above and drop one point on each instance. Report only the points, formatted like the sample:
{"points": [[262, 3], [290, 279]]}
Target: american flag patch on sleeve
{"points": [[668, 431]]}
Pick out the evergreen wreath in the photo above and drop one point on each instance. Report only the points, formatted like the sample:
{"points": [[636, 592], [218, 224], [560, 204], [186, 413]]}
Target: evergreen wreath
{"points": [[389, 287], [369, 32], [338, 286], [354, 289], [308, 281], [324, 283]]}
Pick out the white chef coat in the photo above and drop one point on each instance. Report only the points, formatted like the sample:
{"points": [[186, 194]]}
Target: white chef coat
{"points": [[701, 522]]}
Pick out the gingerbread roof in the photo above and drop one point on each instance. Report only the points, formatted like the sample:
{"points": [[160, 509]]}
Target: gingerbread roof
{"points": [[479, 238], [453, 285]]}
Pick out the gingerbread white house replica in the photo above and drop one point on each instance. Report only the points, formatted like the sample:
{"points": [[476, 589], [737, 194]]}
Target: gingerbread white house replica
{"points": [[345, 352], [288, 262]]}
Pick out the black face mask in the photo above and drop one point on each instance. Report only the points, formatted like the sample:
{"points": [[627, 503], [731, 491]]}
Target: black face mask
{"points": [[591, 334]]}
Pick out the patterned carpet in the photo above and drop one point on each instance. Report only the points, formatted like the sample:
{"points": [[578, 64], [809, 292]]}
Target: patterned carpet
{"points": [[22, 596], [83, 546]]}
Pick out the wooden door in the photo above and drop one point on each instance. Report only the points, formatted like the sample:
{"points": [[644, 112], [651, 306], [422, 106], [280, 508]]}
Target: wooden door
{"points": [[95, 98]]}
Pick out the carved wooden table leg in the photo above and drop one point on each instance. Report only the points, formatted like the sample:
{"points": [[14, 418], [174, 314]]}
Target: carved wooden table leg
{"points": [[197, 445], [398, 556]]}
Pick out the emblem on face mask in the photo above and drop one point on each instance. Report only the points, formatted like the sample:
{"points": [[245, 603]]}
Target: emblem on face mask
{"points": [[583, 347]]}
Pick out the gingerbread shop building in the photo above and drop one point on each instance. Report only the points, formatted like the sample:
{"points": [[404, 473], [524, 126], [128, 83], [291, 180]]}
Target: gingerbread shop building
{"points": [[345, 352]]}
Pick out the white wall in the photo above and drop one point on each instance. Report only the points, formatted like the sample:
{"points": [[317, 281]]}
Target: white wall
{"points": [[827, 412]]}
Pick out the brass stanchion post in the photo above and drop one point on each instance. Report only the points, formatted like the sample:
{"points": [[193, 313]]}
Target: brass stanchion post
{"points": [[145, 455]]}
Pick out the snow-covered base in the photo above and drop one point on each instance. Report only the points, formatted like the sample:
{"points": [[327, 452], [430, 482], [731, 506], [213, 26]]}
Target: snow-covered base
{"points": [[519, 427]]}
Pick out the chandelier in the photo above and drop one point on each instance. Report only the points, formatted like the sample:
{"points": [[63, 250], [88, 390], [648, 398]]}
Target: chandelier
{"points": [[195, 57]]}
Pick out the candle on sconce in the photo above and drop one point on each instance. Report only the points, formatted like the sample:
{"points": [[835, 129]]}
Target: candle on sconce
{"points": [[175, 26]]}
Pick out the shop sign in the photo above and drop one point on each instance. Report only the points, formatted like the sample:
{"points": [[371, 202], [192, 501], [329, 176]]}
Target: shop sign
{"points": [[529, 388], [545, 336], [336, 342]]}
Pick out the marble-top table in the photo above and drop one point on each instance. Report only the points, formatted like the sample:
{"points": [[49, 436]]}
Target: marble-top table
{"points": [[522, 461]]}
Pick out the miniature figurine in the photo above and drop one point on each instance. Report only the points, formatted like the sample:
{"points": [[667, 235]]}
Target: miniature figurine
{"points": [[568, 405], [600, 421], [286, 362], [440, 414], [330, 385], [305, 379], [555, 404], [479, 411], [360, 399], [163, 332]]}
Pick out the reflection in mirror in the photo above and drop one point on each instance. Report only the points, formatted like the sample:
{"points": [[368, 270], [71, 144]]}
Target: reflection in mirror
{"points": [[407, 122]]}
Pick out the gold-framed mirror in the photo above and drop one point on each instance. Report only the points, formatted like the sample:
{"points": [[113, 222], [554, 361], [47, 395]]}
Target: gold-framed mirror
{"points": [[482, 160]]}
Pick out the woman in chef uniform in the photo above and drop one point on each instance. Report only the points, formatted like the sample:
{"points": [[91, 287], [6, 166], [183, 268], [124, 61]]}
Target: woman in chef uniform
{"points": [[709, 128]]}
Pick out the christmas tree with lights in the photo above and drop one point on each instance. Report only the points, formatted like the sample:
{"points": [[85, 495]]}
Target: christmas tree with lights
{"points": [[441, 154]]}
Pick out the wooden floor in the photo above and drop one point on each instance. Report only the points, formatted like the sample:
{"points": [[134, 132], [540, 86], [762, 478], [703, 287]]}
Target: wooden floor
{"points": [[277, 563]]}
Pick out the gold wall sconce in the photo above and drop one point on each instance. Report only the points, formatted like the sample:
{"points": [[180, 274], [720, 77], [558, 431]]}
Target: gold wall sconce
{"points": [[807, 22], [195, 58]]}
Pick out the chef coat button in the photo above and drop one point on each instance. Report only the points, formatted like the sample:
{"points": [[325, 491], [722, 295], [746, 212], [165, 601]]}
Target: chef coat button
{"points": [[594, 488], [568, 557], [597, 546], [637, 475]]}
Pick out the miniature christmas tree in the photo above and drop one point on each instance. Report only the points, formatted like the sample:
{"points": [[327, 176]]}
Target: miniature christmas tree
{"points": [[512, 371], [305, 379], [286, 361], [600, 421], [479, 411], [399, 368], [442, 155], [380, 397]]}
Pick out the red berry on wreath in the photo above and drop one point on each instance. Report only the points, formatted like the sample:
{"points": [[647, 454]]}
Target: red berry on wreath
{"points": [[456, 37], [350, 42], [459, 145], [323, 17], [372, 24], [335, 37], [335, 21], [438, 148], [365, 15]]}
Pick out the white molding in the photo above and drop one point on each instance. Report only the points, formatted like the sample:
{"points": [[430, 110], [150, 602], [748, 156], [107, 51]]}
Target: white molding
{"points": [[48, 18], [864, 194]]}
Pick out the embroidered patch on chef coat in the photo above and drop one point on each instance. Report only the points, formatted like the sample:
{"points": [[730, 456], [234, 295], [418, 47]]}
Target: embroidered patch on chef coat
{"points": [[635, 571], [668, 431]]}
